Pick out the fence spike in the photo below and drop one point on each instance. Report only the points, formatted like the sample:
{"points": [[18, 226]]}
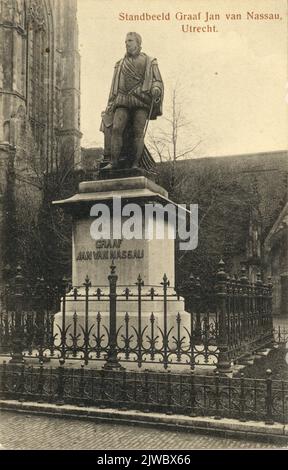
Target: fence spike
{"points": [[221, 265], [243, 270], [112, 267], [87, 282], [127, 292], [140, 281], [18, 270], [221, 274], [64, 284], [166, 281], [75, 293], [270, 283]]}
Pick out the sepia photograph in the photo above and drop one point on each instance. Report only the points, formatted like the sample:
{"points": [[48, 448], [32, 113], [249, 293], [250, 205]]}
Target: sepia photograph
{"points": [[143, 227]]}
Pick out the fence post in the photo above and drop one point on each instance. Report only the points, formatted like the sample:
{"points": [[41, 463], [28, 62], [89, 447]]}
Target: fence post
{"points": [[64, 284], [111, 358], [3, 383], [187, 291], [270, 308], [87, 285], [259, 303], [146, 391], [169, 394], [6, 331], [217, 396], [21, 385], [165, 283], [229, 310], [17, 340], [40, 312], [269, 399], [192, 394], [139, 284], [197, 297], [40, 387], [81, 386], [233, 310], [242, 400], [60, 383], [223, 363], [245, 284]]}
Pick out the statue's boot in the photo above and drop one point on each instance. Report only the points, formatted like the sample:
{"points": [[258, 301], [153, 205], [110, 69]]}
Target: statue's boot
{"points": [[107, 167], [111, 166], [137, 159], [139, 146]]}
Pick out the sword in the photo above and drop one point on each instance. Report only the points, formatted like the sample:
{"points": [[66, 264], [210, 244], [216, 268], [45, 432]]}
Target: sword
{"points": [[146, 160], [149, 115]]}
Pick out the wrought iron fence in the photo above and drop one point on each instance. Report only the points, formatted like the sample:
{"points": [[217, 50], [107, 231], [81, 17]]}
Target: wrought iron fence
{"points": [[27, 317], [237, 321], [188, 394]]}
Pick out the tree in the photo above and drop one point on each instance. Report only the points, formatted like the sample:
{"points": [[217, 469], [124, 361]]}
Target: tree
{"points": [[225, 199], [173, 141], [39, 232]]}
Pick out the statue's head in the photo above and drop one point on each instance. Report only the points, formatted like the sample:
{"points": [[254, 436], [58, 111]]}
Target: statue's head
{"points": [[133, 43]]}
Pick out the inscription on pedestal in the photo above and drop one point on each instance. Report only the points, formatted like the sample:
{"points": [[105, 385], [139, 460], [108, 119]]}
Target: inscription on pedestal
{"points": [[108, 249]]}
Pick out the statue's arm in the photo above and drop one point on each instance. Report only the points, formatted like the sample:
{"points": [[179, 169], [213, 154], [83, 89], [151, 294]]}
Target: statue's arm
{"points": [[112, 93], [107, 115], [157, 82]]}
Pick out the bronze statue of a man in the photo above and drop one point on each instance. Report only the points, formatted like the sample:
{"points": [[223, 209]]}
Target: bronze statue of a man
{"points": [[136, 96]]}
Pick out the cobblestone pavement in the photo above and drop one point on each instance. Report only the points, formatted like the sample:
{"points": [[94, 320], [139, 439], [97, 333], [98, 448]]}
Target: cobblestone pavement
{"points": [[19, 431]]}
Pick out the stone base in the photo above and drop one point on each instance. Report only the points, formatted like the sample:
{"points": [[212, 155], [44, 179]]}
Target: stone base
{"points": [[151, 257], [125, 173]]}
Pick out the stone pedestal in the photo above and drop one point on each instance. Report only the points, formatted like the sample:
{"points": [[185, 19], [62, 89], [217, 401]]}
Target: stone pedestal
{"points": [[149, 258]]}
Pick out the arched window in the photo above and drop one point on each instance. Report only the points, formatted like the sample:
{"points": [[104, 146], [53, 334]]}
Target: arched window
{"points": [[38, 70]]}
